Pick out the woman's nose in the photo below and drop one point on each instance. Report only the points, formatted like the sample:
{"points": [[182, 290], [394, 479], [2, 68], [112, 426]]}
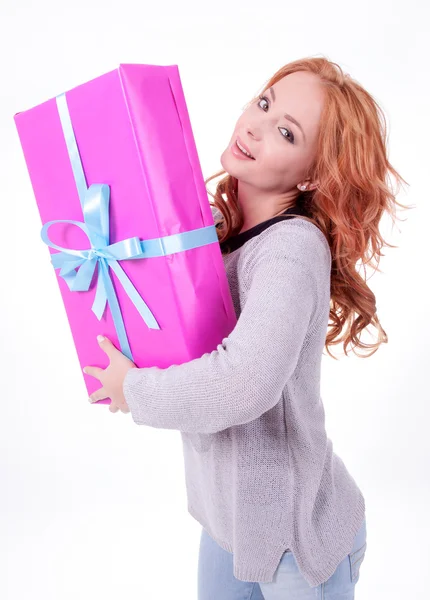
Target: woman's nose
{"points": [[253, 131]]}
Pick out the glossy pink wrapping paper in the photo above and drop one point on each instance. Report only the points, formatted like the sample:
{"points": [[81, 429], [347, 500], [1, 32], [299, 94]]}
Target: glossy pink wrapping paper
{"points": [[133, 133]]}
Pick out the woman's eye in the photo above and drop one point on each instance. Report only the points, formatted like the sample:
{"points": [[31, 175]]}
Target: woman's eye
{"points": [[291, 138], [290, 134], [263, 98]]}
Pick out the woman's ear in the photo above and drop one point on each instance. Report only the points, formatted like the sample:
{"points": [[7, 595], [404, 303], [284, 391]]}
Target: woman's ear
{"points": [[306, 186], [311, 185]]}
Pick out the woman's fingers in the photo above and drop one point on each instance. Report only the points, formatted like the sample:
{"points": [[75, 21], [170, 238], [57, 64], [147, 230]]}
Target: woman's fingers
{"points": [[99, 394], [93, 371]]}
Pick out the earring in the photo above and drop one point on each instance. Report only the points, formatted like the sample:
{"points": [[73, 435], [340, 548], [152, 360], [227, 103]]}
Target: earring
{"points": [[302, 187]]}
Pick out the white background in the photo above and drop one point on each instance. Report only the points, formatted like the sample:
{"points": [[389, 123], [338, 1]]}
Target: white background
{"points": [[93, 506]]}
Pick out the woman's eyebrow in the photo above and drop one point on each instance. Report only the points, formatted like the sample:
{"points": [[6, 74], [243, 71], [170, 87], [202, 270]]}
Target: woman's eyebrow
{"points": [[289, 117]]}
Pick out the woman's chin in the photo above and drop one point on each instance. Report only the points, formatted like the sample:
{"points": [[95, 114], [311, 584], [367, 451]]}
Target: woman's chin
{"points": [[230, 164]]}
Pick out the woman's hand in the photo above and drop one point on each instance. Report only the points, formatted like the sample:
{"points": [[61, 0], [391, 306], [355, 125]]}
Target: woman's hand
{"points": [[112, 378]]}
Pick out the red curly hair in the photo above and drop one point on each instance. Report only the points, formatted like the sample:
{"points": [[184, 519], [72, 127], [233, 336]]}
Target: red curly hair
{"points": [[353, 192]]}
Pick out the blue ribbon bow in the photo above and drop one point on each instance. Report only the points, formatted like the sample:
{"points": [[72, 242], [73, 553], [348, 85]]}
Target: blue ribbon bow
{"points": [[95, 207]]}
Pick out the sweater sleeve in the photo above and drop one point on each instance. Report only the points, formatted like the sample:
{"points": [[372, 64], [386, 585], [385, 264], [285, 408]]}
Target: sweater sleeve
{"points": [[246, 374]]}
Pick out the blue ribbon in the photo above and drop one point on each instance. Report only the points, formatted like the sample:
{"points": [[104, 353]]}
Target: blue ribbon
{"points": [[95, 207]]}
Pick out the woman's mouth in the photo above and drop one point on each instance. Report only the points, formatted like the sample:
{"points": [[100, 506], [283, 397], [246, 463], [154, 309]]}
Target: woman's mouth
{"points": [[239, 151]]}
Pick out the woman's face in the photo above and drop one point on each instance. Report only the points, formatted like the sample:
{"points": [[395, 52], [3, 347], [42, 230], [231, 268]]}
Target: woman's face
{"points": [[280, 131]]}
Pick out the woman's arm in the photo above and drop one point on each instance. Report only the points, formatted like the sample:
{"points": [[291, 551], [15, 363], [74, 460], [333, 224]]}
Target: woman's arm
{"points": [[244, 377]]}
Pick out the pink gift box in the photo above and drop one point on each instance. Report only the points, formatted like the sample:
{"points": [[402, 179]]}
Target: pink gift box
{"points": [[134, 138]]}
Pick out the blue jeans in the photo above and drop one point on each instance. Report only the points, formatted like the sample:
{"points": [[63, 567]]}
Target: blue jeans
{"points": [[217, 582]]}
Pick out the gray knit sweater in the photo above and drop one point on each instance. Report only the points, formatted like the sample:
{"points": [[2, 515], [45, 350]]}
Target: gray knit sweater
{"points": [[261, 475]]}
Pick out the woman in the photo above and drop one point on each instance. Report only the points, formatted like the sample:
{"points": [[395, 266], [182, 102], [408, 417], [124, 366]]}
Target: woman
{"points": [[325, 161], [281, 515]]}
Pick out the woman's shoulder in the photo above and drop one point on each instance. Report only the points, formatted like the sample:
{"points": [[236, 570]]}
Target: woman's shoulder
{"points": [[297, 237]]}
